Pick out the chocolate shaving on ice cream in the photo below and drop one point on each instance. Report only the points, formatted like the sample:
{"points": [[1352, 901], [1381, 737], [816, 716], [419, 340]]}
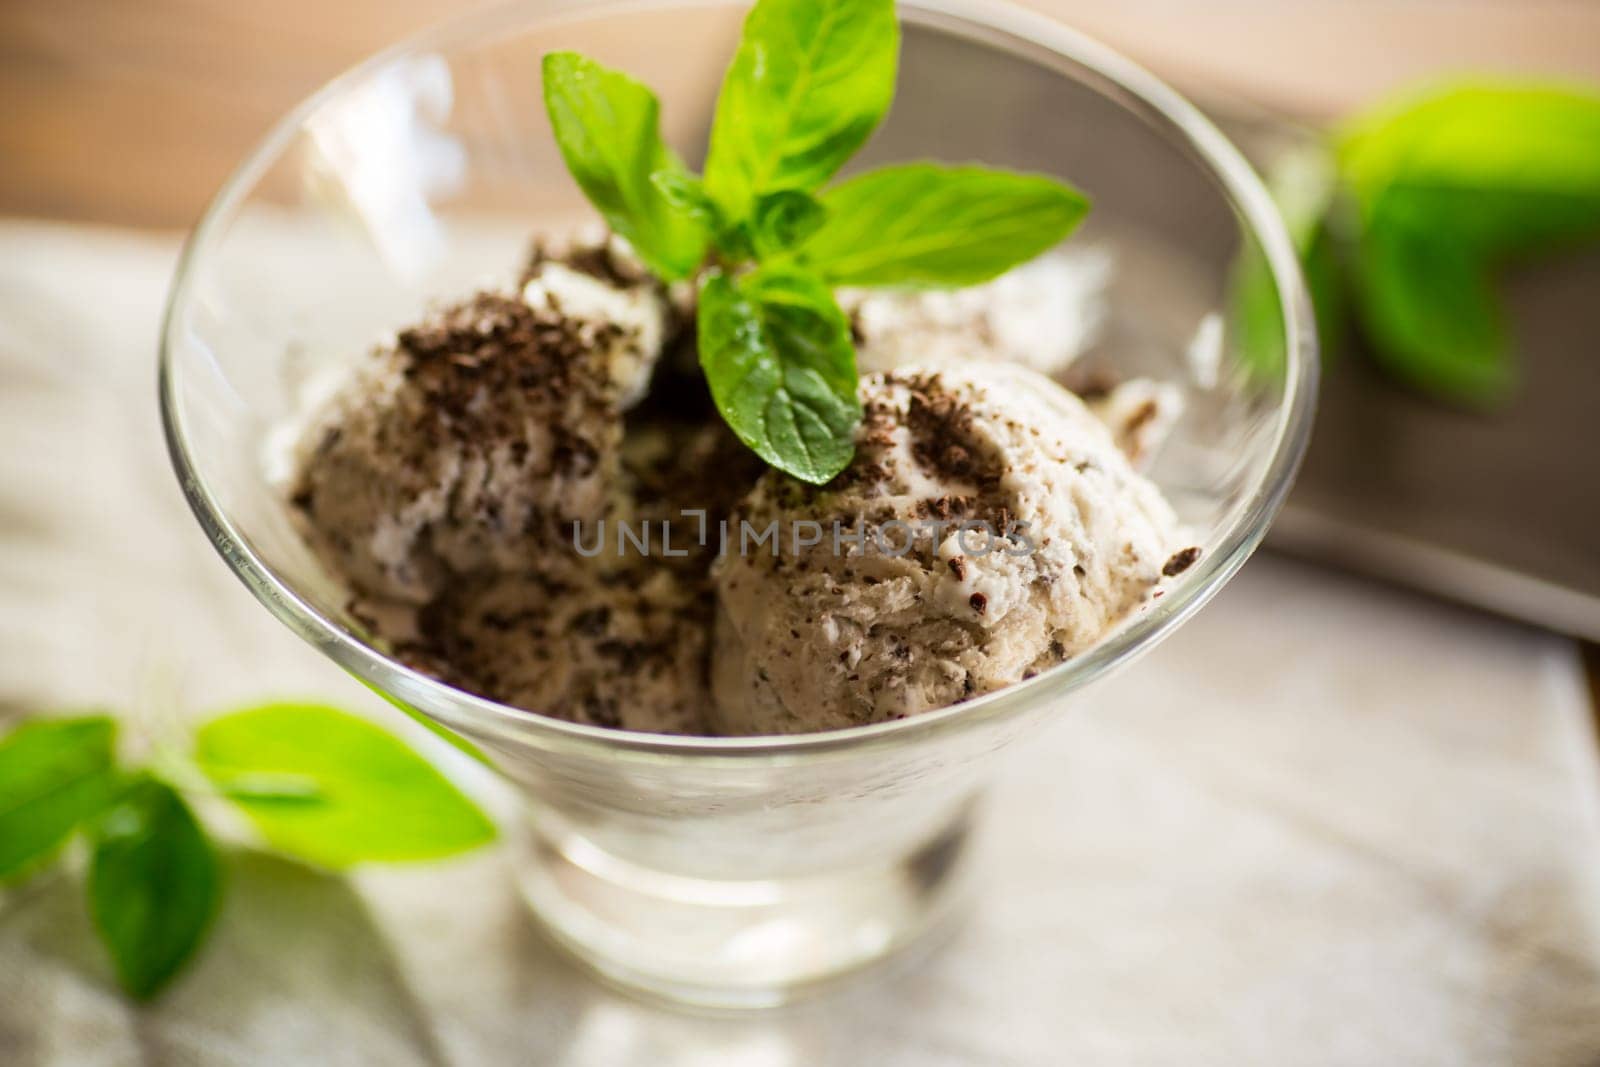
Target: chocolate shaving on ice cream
{"points": [[1072, 540], [452, 480], [444, 482]]}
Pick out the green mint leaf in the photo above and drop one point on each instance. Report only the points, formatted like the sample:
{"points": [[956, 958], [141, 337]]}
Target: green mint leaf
{"points": [[1506, 168], [1428, 306], [737, 243], [1325, 280], [809, 83], [923, 224], [1447, 186], [154, 885], [687, 195], [608, 128], [784, 219], [377, 800], [54, 775], [777, 354]]}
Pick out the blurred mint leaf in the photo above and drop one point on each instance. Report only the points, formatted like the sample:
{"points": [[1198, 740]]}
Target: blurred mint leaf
{"points": [[1324, 272], [1428, 306], [809, 83], [608, 128], [1450, 185], [784, 219], [777, 354], [923, 224], [377, 800], [1503, 168], [154, 885], [54, 775], [687, 194]]}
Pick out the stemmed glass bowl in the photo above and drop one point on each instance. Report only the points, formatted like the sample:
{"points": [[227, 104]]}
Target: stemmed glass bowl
{"points": [[724, 871]]}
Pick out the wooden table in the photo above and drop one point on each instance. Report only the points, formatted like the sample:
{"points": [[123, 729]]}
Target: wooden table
{"points": [[133, 111]]}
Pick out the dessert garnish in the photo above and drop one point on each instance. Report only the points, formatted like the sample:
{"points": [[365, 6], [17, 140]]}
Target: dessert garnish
{"points": [[767, 239], [317, 785], [1405, 215]]}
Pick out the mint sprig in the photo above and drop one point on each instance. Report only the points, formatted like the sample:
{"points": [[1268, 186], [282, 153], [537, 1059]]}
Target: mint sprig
{"points": [[1448, 188], [808, 84], [320, 785], [154, 884], [1428, 198], [785, 219]]}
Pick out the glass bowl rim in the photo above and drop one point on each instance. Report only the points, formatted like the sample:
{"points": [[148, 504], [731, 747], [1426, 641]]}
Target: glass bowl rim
{"points": [[475, 715]]}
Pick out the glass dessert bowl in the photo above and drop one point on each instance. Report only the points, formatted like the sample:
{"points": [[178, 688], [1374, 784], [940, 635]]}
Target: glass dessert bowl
{"points": [[725, 871]]}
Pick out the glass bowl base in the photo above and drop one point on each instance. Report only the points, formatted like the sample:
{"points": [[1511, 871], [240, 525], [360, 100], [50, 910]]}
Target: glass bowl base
{"points": [[733, 945]]}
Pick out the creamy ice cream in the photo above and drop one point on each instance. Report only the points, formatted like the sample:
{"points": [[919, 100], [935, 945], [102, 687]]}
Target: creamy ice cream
{"points": [[1140, 414], [443, 481], [689, 475], [470, 481], [1043, 315], [478, 436], [621, 647], [1063, 539]]}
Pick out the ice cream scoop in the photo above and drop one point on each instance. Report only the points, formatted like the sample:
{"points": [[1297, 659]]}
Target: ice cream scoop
{"points": [[620, 647], [1140, 413], [988, 528], [481, 435], [1043, 315]]}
